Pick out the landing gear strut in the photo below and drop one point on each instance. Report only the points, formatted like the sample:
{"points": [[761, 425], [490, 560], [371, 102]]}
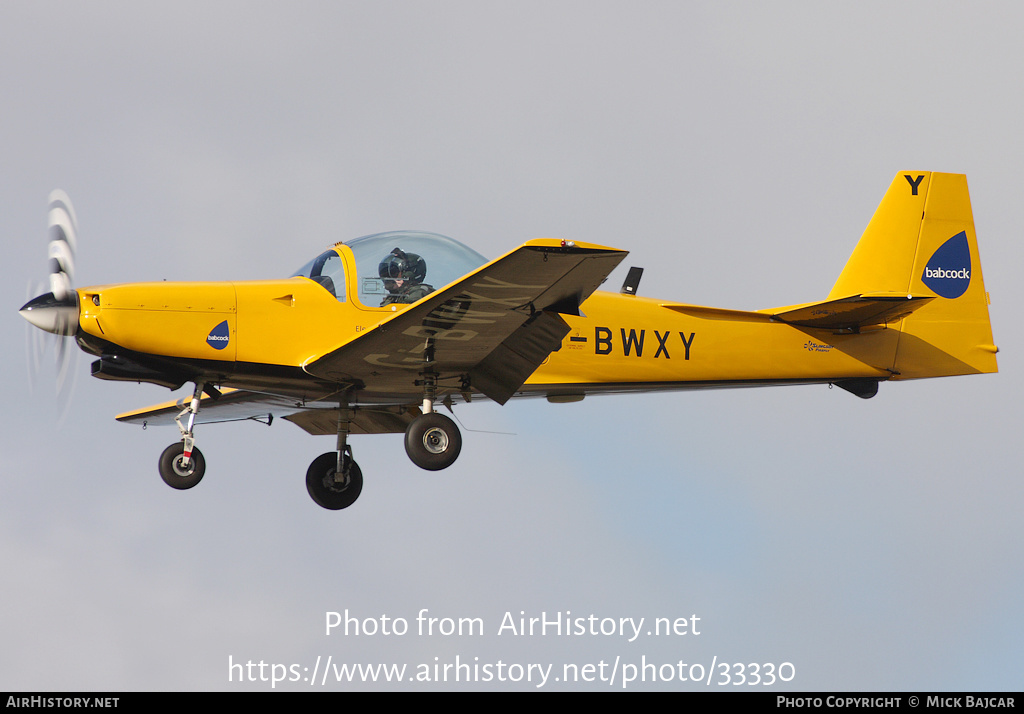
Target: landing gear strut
{"points": [[432, 440], [334, 480], [182, 465]]}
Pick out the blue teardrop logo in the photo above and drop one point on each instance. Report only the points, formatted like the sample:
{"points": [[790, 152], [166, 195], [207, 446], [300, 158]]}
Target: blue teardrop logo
{"points": [[219, 336], [948, 272]]}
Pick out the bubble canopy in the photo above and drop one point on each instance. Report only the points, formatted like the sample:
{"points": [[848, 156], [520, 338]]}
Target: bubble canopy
{"points": [[446, 260]]}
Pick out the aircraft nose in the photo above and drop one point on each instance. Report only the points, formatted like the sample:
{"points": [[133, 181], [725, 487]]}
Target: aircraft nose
{"points": [[48, 313]]}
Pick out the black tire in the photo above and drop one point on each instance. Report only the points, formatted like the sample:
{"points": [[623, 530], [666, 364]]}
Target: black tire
{"points": [[433, 442], [322, 487], [172, 472]]}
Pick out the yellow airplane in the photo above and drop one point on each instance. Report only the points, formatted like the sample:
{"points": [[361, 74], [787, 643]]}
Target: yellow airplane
{"points": [[369, 336]]}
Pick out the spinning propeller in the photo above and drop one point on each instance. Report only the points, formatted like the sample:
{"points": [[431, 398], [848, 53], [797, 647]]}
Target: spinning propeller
{"points": [[56, 311]]}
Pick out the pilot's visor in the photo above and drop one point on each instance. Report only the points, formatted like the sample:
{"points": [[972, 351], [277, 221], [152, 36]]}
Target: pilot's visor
{"points": [[391, 269]]}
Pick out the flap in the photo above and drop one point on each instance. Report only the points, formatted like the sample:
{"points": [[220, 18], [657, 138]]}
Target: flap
{"points": [[365, 420]]}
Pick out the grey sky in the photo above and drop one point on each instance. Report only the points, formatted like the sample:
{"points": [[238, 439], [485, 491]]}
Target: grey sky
{"points": [[737, 152]]}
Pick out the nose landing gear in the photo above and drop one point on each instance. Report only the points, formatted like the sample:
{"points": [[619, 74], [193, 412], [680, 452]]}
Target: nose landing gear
{"points": [[182, 465]]}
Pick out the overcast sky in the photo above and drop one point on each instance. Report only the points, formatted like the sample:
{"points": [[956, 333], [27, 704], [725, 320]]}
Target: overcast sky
{"points": [[737, 150]]}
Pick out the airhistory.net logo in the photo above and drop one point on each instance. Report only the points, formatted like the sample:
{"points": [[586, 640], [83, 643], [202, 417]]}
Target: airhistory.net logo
{"points": [[948, 272]]}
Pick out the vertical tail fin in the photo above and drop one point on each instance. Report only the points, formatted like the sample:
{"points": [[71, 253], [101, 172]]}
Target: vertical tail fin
{"points": [[921, 243]]}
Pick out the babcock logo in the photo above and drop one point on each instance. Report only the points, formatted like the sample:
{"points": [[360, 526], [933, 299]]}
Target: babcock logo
{"points": [[219, 336], [948, 272]]}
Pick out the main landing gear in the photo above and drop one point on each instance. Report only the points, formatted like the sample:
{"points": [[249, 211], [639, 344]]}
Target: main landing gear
{"points": [[332, 486], [334, 479], [432, 440]]}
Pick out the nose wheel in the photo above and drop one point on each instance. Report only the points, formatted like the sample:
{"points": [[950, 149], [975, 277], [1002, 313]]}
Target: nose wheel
{"points": [[178, 474], [182, 465]]}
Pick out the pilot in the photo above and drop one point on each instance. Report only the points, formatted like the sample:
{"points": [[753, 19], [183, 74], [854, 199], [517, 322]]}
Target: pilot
{"points": [[403, 275]]}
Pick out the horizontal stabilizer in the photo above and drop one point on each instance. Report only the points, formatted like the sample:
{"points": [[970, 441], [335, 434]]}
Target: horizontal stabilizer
{"points": [[717, 313], [853, 313]]}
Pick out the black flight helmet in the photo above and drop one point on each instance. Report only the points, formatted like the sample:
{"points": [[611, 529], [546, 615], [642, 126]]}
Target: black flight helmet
{"points": [[399, 265]]}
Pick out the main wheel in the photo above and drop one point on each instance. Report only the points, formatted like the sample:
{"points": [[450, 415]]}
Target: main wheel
{"points": [[433, 442], [325, 490], [174, 473]]}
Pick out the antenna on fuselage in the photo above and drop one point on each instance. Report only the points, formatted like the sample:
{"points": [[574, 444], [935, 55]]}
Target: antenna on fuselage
{"points": [[632, 281]]}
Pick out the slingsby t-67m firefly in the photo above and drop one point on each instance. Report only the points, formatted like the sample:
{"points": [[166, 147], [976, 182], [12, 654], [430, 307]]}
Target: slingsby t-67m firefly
{"points": [[369, 336]]}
